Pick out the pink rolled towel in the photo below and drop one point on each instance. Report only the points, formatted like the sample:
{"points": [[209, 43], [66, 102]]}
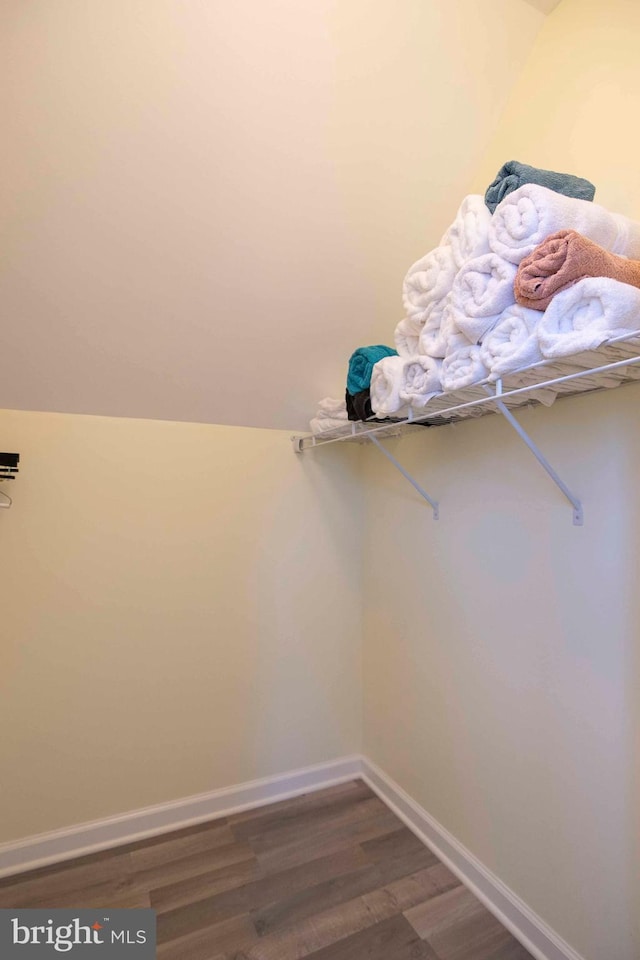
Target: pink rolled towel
{"points": [[563, 259]]}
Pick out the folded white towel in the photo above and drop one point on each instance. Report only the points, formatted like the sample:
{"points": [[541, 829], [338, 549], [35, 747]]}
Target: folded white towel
{"points": [[585, 315], [420, 380], [332, 409], [513, 342], [331, 415], [468, 235], [427, 281], [529, 214], [397, 382], [462, 367], [326, 425], [482, 289], [407, 337]]}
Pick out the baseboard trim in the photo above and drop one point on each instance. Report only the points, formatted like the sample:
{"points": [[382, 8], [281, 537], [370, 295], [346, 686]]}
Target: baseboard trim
{"points": [[77, 841], [534, 934]]}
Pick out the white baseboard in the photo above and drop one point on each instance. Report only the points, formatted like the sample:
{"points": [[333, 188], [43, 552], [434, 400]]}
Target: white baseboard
{"points": [[77, 841], [532, 932]]}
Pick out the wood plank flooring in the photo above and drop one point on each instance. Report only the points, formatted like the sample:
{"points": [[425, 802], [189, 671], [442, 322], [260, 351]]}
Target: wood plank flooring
{"points": [[331, 875]]}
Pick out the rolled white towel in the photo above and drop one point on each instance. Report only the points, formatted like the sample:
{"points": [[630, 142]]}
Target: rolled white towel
{"points": [[427, 281], [529, 214], [440, 334], [513, 342], [482, 289], [420, 380], [454, 338], [385, 386], [468, 235], [462, 367], [397, 382], [585, 315], [433, 336], [407, 336]]}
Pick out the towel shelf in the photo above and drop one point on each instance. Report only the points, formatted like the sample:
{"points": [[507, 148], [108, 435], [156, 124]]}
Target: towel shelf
{"points": [[612, 364]]}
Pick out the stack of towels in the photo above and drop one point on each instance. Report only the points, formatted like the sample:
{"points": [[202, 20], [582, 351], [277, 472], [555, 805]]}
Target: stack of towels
{"points": [[333, 414], [533, 270]]}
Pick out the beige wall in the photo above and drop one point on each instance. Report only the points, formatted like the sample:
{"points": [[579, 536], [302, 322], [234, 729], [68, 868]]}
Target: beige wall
{"points": [[573, 106], [208, 205], [501, 656], [164, 587], [502, 664], [180, 611]]}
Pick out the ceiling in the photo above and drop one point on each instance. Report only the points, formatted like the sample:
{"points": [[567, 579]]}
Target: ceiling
{"points": [[545, 6], [209, 206]]}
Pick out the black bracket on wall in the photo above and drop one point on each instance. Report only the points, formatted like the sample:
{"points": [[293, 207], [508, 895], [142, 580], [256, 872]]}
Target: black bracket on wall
{"points": [[9, 465]]}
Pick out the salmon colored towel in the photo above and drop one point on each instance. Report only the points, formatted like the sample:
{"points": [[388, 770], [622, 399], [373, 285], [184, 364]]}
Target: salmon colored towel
{"points": [[560, 261]]}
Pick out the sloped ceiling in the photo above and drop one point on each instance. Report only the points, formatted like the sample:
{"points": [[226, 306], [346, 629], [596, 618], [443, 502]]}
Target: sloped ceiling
{"points": [[209, 205], [545, 6]]}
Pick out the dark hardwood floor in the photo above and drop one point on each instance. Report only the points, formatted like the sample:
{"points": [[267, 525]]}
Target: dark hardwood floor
{"points": [[332, 875]]}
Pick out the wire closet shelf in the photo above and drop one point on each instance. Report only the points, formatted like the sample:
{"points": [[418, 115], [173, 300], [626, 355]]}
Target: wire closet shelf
{"points": [[613, 363], [610, 365]]}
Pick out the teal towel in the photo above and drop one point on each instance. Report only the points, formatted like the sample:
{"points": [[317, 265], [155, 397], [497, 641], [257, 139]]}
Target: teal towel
{"points": [[513, 175], [361, 364]]}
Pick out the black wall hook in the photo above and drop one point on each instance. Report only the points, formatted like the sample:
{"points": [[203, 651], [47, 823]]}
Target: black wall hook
{"points": [[9, 465]]}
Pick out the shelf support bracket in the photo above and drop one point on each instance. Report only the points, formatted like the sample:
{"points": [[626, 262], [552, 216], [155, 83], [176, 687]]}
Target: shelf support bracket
{"points": [[407, 476], [578, 514]]}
